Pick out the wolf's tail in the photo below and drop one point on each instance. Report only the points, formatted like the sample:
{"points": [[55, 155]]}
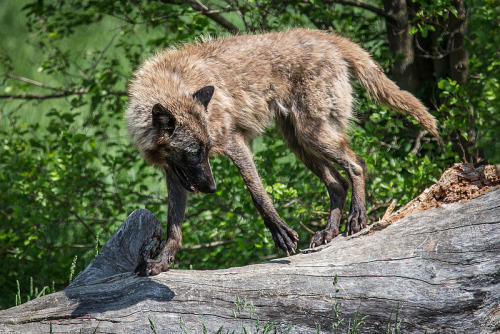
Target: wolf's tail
{"points": [[385, 91]]}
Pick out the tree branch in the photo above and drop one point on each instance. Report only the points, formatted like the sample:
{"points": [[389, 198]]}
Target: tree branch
{"points": [[209, 244], [27, 80], [418, 142], [55, 95], [361, 4], [78, 218], [214, 15], [41, 96]]}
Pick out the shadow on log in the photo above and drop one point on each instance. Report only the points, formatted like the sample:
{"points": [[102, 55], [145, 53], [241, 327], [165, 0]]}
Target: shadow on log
{"points": [[437, 270]]}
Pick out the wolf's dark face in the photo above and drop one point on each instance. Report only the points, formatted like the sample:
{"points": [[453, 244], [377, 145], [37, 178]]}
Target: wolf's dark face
{"points": [[183, 145], [187, 157]]}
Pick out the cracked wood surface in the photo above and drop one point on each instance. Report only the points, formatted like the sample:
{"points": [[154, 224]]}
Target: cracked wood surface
{"points": [[441, 267]]}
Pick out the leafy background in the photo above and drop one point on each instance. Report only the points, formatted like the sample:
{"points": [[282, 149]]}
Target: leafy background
{"points": [[69, 175]]}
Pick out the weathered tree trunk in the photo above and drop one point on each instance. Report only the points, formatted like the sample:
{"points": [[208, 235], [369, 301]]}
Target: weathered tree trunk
{"points": [[438, 270]]}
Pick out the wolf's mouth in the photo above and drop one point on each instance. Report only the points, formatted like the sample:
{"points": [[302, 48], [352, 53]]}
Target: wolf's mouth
{"points": [[184, 180]]}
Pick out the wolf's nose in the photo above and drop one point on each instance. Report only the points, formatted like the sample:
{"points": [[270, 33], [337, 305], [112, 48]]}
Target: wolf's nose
{"points": [[211, 188]]}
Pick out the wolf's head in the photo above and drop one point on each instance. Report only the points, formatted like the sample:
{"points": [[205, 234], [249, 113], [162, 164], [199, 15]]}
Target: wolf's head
{"points": [[172, 132]]}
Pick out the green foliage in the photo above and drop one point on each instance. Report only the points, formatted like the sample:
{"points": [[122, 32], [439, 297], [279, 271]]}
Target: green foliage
{"points": [[470, 112], [484, 75], [430, 14], [69, 176]]}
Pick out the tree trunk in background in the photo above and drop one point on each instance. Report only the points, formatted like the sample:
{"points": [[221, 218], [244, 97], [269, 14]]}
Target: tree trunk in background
{"points": [[441, 53], [405, 71], [458, 55]]}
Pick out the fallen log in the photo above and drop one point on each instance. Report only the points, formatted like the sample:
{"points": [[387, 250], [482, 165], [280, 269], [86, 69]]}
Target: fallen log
{"points": [[434, 271]]}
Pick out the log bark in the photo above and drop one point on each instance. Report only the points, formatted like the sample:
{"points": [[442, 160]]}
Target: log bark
{"points": [[438, 270]]}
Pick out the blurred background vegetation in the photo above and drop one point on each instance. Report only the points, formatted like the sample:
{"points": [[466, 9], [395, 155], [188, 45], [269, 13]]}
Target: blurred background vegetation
{"points": [[69, 175]]}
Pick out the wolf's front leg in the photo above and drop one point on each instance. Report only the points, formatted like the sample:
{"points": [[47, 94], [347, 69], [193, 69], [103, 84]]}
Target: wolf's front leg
{"points": [[284, 237], [177, 198]]}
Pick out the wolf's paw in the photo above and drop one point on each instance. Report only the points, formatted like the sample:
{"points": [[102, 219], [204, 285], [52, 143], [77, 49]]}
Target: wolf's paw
{"points": [[285, 238], [153, 267], [356, 221], [323, 237]]}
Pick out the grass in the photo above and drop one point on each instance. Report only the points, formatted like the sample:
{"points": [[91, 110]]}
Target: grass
{"points": [[389, 329], [72, 269], [152, 326], [34, 292]]}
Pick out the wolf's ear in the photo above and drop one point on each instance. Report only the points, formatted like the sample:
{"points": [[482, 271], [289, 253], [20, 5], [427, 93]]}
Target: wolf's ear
{"points": [[204, 95], [163, 120]]}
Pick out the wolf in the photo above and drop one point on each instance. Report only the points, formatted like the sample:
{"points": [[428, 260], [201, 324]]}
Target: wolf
{"points": [[212, 97]]}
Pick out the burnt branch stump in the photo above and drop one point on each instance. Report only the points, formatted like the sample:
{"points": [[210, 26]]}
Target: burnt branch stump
{"points": [[438, 270]]}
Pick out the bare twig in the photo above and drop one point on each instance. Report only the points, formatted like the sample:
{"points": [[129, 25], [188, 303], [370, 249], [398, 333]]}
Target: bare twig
{"points": [[73, 246], [27, 80], [9, 114], [82, 221], [307, 228], [55, 95], [41, 96], [391, 146], [289, 203], [53, 49], [418, 142], [389, 210], [209, 244], [240, 10], [106, 48], [215, 16]]}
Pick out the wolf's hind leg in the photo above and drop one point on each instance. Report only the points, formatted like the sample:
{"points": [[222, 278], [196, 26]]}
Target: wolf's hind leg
{"points": [[336, 148], [336, 185], [284, 237], [337, 188], [326, 141]]}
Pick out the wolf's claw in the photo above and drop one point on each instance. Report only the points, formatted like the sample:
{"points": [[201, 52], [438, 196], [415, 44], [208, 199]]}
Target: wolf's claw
{"points": [[285, 238], [323, 237], [356, 221]]}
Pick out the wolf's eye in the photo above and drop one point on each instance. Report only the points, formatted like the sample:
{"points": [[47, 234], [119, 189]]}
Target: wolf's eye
{"points": [[191, 158]]}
